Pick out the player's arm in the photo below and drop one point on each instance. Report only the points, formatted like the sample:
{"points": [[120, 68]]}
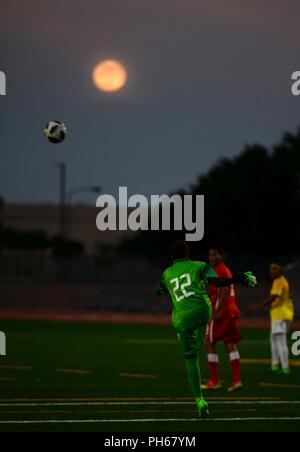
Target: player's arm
{"points": [[161, 288], [264, 303], [276, 293], [246, 279]]}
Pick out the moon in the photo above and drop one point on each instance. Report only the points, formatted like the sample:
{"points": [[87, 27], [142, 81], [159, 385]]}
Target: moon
{"points": [[109, 76]]}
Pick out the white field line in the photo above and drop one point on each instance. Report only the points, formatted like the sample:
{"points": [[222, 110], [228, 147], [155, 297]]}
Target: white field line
{"points": [[151, 341], [175, 342], [127, 421], [256, 342], [74, 404]]}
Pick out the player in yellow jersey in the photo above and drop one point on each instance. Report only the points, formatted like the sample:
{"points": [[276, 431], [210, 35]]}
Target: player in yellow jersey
{"points": [[282, 313]]}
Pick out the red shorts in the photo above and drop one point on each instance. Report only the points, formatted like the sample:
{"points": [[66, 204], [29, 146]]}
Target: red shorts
{"points": [[223, 331]]}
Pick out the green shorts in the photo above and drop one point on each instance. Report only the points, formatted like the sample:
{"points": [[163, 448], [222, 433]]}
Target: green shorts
{"points": [[191, 342], [190, 330]]}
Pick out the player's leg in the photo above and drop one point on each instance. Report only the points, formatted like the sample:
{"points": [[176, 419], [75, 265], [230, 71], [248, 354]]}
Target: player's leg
{"points": [[213, 359], [280, 351], [235, 362], [283, 352], [191, 343], [194, 376], [213, 362], [275, 354], [231, 338]]}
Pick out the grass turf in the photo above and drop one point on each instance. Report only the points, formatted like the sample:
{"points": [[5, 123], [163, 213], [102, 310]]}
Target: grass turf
{"points": [[122, 376]]}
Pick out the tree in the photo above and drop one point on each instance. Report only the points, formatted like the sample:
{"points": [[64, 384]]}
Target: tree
{"points": [[252, 204]]}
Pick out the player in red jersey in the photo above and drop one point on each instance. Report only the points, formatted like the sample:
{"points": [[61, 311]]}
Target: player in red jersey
{"points": [[223, 327]]}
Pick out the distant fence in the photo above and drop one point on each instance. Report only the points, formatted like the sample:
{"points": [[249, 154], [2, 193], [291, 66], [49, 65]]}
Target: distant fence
{"points": [[90, 284], [101, 297], [43, 268]]}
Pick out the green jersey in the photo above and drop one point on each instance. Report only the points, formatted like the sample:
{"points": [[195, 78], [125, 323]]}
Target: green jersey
{"points": [[187, 283]]}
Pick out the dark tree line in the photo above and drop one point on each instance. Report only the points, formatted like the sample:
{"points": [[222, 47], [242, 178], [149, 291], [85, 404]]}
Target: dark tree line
{"points": [[252, 205], [15, 240]]}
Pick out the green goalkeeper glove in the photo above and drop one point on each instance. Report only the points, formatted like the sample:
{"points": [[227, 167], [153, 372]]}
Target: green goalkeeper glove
{"points": [[247, 279]]}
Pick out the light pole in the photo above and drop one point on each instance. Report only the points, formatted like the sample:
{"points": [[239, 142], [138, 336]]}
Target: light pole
{"points": [[63, 197], [92, 189]]}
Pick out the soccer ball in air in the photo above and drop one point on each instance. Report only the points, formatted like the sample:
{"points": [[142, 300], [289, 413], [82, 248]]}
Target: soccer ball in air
{"points": [[55, 132]]}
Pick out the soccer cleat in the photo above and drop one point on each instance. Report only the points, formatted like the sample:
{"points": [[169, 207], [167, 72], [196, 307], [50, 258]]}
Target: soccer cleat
{"points": [[211, 386], [286, 371], [235, 387], [275, 370], [203, 408]]}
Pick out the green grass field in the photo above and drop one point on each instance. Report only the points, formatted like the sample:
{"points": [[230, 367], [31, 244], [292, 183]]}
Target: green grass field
{"points": [[61, 376]]}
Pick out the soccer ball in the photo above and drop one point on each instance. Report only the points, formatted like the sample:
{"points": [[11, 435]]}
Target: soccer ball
{"points": [[55, 132]]}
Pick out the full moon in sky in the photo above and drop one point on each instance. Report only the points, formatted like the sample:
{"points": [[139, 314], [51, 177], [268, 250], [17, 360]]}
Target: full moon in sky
{"points": [[109, 76]]}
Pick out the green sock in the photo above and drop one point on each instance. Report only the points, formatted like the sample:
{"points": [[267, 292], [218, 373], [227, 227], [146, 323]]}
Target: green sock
{"points": [[194, 375]]}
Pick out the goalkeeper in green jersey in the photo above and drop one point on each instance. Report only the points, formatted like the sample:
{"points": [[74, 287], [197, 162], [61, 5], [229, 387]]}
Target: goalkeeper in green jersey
{"points": [[187, 282]]}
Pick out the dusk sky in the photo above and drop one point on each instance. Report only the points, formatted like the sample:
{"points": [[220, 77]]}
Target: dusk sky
{"points": [[205, 77]]}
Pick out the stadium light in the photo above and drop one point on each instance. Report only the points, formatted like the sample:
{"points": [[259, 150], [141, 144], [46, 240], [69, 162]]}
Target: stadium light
{"points": [[63, 196], [95, 189]]}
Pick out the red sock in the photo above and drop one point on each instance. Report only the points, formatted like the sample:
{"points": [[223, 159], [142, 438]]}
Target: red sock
{"points": [[213, 362], [236, 366]]}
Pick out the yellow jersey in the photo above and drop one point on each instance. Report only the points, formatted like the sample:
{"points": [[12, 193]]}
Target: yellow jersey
{"points": [[282, 308]]}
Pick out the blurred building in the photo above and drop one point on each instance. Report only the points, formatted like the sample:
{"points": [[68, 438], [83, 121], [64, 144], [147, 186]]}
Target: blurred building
{"points": [[80, 223]]}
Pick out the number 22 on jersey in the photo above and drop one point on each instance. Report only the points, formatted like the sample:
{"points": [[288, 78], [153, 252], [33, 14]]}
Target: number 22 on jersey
{"points": [[181, 286]]}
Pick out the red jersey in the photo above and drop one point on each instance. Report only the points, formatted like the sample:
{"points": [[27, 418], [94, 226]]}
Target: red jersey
{"points": [[230, 308]]}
